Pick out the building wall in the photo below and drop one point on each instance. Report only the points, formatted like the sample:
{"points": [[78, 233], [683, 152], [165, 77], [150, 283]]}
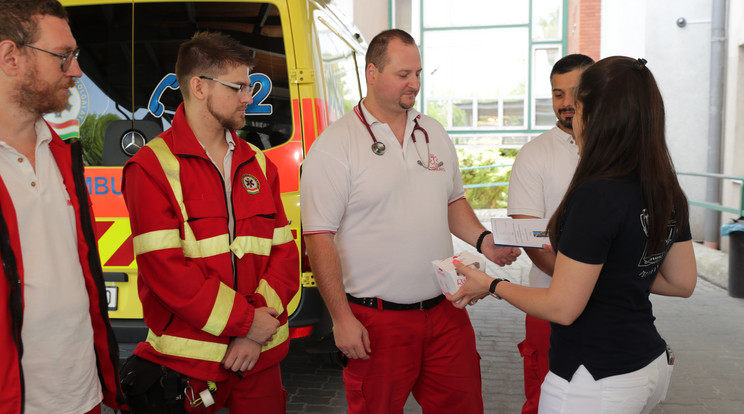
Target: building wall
{"points": [[584, 27], [371, 16], [733, 143], [680, 60]]}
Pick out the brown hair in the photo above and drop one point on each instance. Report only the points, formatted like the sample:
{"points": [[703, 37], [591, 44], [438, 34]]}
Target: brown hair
{"points": [[19, 18], [209, 54], [623, 134], [377, 50]]}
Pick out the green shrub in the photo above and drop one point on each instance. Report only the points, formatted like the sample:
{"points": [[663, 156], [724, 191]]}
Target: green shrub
{"points": [[492, 196]]}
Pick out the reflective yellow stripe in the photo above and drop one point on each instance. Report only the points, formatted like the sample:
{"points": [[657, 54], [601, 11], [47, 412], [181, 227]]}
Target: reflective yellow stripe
{"points": [[282, 235], [221, 310], [268, 292], [172, 169], [170, 239], [187, 348], [260, 158], [156, 240], [243, 245], [282, 334], [273, 301], [208, 247]]}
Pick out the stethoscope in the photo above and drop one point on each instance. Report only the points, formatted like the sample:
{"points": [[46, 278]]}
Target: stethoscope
{"points": [[379, 148]]}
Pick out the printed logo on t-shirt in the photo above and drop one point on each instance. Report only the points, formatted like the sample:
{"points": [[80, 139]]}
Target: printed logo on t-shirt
{"points": [[435, 164], [651, 261]]}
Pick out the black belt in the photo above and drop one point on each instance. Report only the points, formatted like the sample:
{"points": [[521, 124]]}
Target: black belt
{"points": [[378, 303]]}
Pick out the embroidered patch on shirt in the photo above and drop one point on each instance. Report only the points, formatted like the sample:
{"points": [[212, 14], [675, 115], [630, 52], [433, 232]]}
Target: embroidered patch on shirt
{"points": [[251, 184]]}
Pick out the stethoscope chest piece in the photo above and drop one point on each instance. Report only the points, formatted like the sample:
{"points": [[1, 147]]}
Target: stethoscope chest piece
{"points": [[378, 148]]}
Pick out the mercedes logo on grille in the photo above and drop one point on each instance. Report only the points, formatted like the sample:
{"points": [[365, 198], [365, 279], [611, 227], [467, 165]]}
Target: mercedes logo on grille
{"points": [[132, 141]]}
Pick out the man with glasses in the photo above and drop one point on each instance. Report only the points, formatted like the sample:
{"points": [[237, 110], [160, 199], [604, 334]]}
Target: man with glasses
{"points": [[217, 261], [57, 351]]}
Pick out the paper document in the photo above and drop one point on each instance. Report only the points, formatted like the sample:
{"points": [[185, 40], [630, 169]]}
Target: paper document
{"points": [[520, 232]]}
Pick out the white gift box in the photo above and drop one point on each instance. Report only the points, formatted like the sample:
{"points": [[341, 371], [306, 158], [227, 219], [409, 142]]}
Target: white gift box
{"points": [[450, 279]]}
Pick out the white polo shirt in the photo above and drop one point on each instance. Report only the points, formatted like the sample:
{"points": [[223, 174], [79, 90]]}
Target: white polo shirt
{"points": [[389, 213], [539, 179], [59, 363]]}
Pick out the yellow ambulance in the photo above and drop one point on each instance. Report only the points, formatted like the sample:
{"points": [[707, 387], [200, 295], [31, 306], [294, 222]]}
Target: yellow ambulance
{"points": [[310, 67]]}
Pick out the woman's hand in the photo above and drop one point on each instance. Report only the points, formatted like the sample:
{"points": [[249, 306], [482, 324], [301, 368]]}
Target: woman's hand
{"points": [[475, 287]]}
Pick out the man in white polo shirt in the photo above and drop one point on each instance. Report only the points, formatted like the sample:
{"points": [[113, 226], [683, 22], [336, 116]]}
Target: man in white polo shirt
{"points": [[540, 177], [384, 180], [58, 353]]}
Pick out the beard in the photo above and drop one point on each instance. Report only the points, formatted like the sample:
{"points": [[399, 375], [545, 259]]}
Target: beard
{"points": [[406, 105], [566, 122], [233, 123], [42, 98]]}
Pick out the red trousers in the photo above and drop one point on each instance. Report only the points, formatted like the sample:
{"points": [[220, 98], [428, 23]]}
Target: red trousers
{"points": [[261, 392], [429, 353], [95, 410], [534, 350]]}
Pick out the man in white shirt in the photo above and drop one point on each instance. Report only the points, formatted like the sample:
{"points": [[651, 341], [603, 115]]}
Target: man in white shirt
{"points": [[540, 177], [57, 350], [381, 192]]}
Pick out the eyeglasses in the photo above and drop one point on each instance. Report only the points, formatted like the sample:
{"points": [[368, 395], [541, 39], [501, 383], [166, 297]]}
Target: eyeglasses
{"points": [[240, 88], [66, 58]]}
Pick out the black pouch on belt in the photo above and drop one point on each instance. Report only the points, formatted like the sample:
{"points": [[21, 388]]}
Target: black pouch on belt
{"points": [[151, 388]]}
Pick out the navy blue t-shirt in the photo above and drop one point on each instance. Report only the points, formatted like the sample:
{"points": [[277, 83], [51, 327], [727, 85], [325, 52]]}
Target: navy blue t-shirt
{"points": [[605, 223]]}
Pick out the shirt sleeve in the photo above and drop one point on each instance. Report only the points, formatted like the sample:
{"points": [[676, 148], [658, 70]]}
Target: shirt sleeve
{"points": [[280, 281], [324, 191], [458, 189], [526, 194]]}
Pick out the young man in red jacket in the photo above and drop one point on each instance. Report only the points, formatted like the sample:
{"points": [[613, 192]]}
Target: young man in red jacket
{"points": [[217, 261], [57, 350]]}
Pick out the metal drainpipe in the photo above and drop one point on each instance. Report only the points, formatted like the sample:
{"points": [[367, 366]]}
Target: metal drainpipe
{"points": [[715, 120]]}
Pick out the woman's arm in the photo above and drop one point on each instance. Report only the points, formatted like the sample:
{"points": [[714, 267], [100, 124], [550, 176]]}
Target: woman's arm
{"points": [[678, 273], [562, 302]]}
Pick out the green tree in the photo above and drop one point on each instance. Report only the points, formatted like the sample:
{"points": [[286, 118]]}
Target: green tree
{"points": [[437, 109], [92, 132], [492, 196]]}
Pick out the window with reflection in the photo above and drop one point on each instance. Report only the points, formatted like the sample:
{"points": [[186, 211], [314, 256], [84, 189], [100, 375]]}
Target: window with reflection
{"points": [[487, 66], [128, 81], [543, 59], [340, 72]]}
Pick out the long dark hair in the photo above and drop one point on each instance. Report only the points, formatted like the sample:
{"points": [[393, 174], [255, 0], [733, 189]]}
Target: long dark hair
{"points": [[623, 135]]}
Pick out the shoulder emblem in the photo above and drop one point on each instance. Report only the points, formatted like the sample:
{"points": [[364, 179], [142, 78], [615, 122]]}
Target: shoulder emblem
{"points": [[250, 183]]}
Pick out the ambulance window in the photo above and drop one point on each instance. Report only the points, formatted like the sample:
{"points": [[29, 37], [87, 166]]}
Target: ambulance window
{"points": [[339, 62], [128, 86]]}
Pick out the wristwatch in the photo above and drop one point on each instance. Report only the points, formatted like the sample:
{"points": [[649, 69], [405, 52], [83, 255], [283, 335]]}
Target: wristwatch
{"points": [[492, 288]]}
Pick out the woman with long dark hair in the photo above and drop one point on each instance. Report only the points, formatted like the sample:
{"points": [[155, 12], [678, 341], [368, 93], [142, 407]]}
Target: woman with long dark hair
{"points": [[620, 233]]}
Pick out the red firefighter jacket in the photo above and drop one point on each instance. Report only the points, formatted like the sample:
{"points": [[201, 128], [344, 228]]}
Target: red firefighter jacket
{"points": [[193, 298], [68, 158]]}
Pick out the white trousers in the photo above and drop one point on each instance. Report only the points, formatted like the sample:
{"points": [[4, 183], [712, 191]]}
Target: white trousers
{"points": [[636, 392]]}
